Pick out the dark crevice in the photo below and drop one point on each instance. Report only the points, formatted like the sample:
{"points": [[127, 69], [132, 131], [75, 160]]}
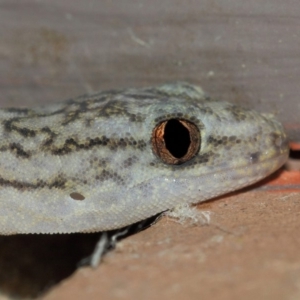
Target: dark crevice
{"points": [[31, 264], [294, 154]]}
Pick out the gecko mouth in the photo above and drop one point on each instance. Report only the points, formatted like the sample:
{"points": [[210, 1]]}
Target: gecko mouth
{"points": [[249, 174], [262, 168], [270, 164]]}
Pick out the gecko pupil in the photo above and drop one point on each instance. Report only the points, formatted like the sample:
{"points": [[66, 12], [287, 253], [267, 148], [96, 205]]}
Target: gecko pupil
{"points": [[176, 141], [177, 138]]}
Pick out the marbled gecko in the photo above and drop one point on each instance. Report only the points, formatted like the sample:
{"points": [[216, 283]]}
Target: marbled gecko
{"points": [[108, 160]]}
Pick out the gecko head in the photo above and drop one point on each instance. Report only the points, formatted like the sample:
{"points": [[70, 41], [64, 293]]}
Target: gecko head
{"points": [[213, 147]]}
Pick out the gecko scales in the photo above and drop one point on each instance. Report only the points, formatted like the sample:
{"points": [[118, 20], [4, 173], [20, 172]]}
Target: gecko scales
{"points": [[105, 161]]}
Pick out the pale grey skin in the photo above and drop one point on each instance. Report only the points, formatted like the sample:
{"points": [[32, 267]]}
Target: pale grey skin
{"points": [[100, 147]]}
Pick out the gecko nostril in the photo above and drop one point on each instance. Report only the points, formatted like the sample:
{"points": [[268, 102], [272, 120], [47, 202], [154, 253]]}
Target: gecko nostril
{"points": [[254, 157], [77, 196], [176, 141]]}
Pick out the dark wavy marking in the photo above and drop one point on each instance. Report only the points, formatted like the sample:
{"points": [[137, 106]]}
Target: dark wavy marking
{"points": [[58, 183]]}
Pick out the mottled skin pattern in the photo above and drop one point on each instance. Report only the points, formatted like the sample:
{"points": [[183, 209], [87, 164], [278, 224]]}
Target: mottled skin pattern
{"points": [[99, 146]]}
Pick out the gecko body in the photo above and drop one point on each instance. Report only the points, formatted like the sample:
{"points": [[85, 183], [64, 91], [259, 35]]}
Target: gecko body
{"points": [[102, 161]]}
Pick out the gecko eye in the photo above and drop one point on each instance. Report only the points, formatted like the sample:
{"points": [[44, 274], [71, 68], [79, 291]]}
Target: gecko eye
{"points": [[175, 141]]}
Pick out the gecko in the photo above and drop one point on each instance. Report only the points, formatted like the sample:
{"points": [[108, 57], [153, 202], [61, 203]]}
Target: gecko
{"points": [[104, 161]]}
